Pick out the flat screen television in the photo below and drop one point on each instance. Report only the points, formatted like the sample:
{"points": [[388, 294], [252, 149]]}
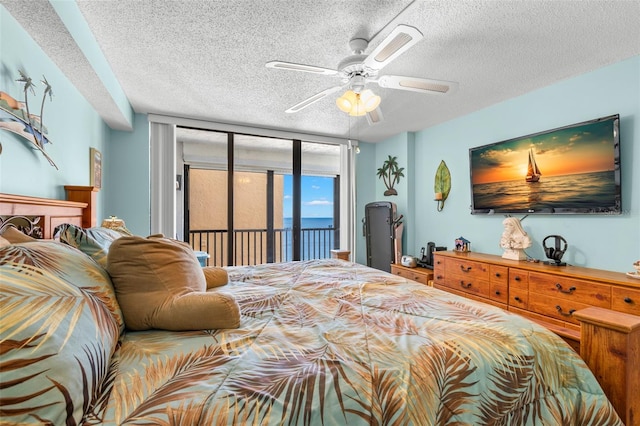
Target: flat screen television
{"points": [[571, 169]]}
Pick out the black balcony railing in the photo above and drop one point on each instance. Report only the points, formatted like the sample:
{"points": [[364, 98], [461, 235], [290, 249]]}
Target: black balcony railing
{"points": [[250, 245]]}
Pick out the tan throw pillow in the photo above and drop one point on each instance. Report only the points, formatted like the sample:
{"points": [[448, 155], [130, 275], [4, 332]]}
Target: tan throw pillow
{"points": [[215, 276], [160, 284], [14, 236]]}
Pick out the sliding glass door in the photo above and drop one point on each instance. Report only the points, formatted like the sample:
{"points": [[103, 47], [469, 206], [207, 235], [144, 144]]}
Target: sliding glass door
{"points": [[252, 199], [319, 200], [205, 189], [259, 167]]}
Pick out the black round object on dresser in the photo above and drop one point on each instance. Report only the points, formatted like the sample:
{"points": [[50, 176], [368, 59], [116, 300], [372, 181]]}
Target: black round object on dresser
{"points": [[556, 251]]}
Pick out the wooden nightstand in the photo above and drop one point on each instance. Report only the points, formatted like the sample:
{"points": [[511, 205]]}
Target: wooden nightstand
{"points": [[421, 275]]}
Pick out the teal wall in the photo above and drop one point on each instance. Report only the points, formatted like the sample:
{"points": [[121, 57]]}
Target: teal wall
{"points": [[74, 127], [604, 242], [73, 124], [128, 194], [371, 188]]}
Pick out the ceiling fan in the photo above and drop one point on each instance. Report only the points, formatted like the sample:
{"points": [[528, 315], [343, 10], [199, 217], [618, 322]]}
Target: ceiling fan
{"points": [[358, 70]]}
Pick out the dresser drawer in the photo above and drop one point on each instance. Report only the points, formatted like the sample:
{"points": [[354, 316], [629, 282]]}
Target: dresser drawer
{"points": [[625, 300], [555, 307], [468, 284], [518, 279], [420, 275], [518, 298], [499, 274], [584, 292], [470, 296], [468, 268], [499, 291]]}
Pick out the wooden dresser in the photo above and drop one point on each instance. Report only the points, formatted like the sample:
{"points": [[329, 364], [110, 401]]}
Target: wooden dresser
{"points": [[597, 312]]}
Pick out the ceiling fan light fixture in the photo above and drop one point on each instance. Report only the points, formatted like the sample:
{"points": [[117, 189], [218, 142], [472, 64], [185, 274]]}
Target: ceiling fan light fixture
{"points": [[357, 111], [358, 104], [369, 100], [347, 101]]}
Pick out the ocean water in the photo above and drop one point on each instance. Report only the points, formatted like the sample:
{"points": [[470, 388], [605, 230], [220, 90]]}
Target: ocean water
{"points": [[554, 193], [310, 222], [316, 243]]}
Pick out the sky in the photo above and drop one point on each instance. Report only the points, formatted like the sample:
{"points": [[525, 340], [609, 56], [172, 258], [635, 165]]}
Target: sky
{"points": [[317, 196], [577, 149]]}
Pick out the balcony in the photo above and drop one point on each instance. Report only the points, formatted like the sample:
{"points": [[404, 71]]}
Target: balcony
{"points": [[250, 245]]}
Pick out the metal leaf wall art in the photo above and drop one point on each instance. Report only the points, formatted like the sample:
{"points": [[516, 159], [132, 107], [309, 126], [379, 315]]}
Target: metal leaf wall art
{"points": [[442, 185]]}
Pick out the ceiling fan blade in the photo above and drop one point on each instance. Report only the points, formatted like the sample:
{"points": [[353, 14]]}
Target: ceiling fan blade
{"points": [[401, 39], [300, 67], [375, 116], [415, 84], [313, 99]]}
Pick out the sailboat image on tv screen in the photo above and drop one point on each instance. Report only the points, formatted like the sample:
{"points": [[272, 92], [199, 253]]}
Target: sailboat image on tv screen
{"points": [[533, 172]]}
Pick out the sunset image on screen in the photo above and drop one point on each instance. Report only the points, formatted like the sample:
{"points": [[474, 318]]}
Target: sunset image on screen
{"points": [[582, 149], [569, 169]]}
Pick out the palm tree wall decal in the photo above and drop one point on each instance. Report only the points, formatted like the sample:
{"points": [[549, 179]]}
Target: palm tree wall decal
{"points": [[30, 127], [47, 91], [390, 173]]}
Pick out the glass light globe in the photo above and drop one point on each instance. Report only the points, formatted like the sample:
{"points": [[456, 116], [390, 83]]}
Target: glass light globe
{"points": [[347, 101]]}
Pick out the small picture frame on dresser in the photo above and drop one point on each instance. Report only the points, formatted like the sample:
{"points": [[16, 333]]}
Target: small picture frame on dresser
{"points": [[461, 244], [95, 168]]}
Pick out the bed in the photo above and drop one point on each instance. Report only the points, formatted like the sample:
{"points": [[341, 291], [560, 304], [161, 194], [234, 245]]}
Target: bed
{"points": [[320, 342]]}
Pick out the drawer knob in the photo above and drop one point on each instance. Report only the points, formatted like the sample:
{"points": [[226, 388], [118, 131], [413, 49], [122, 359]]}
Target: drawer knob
{"points": [[467, 269], [559, 287], [498, 274], [564, 314], [497, 293], [463, 285], [628, 300], [439, 277], [517, 278], [517, 299]]}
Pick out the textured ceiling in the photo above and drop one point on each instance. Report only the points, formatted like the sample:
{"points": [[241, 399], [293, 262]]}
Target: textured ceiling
{"points": [[206, 59]]}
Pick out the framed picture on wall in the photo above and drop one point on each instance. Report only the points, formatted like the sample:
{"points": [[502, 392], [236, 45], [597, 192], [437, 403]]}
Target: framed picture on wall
{"points": [[95, 163]]}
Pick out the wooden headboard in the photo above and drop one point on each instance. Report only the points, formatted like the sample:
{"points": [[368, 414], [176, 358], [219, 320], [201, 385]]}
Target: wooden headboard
{"points": [[38, 217]]}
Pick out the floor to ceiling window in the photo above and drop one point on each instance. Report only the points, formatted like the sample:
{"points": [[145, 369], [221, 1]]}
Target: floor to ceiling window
{"points": [[253, 199], [320, 199], [259, 165]]}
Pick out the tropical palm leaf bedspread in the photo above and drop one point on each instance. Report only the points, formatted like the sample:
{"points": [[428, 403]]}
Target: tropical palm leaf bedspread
{"points": [[320, 342]]}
